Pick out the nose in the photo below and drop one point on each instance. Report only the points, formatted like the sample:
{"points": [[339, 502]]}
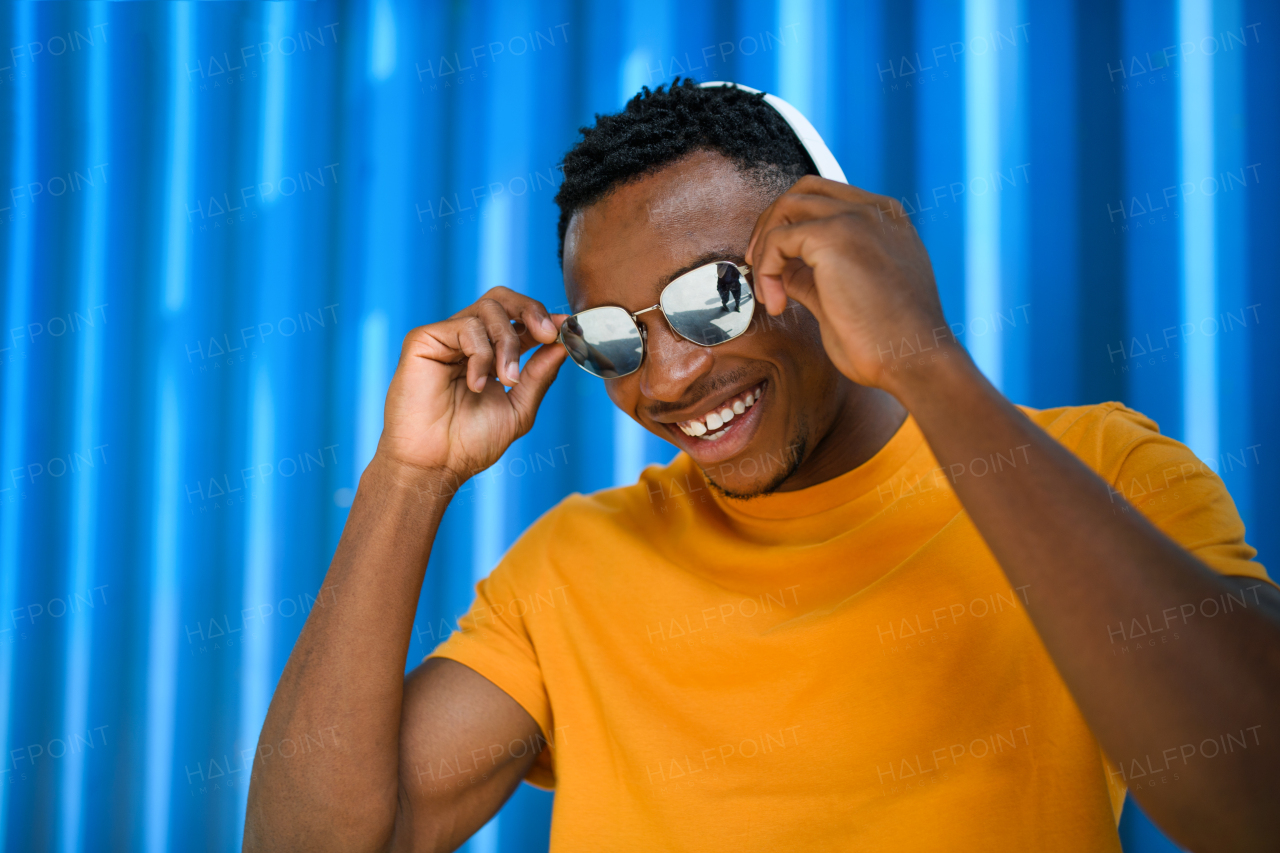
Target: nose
{"points": [[671, 363]]}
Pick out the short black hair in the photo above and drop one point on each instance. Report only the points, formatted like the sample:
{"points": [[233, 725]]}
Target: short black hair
{"points": [[658, 127]]}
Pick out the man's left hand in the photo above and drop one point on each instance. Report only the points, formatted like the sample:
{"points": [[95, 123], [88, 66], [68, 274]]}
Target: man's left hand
{"points": [[855, 261]]}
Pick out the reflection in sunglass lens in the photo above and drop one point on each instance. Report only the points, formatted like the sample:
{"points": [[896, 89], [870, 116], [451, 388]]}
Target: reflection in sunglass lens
{"points": [[605, 341], [709, 305]]}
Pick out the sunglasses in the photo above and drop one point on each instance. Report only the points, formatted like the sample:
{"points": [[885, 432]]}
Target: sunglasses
{"points": [[706, 306]]}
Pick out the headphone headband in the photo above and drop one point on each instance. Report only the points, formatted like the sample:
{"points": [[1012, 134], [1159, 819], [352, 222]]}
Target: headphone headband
{"points": [[804, 131]]}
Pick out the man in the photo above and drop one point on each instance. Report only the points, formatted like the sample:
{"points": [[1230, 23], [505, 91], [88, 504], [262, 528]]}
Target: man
{"points": [[729, 284], [871, 605]]}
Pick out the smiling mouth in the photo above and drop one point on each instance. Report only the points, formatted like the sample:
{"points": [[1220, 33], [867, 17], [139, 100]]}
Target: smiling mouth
{"points": [[713, 425]]}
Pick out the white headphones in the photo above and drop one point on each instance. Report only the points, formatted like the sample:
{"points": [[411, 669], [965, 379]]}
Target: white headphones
{"points": [[804, 131]]}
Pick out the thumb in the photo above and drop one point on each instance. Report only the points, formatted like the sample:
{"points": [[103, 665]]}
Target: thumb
{"points": [[536, 377]]}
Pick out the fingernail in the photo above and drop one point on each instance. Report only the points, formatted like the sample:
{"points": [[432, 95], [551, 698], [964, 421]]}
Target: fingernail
{"points": [[513, 371], [548, 325]]}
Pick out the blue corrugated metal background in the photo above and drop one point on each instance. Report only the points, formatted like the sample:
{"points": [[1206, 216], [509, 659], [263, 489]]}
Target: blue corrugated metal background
{"points": [[220, 220]]}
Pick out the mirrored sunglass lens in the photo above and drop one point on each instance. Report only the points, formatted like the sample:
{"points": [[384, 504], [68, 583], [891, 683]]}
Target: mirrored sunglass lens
{"points": [[709, 305], [603, 340]]}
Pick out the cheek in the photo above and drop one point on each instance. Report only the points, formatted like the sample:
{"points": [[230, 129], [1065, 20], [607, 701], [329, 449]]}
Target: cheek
{"points": [[788, 339], [760, 338], [798, 323], [795, 325], [621, 392]]}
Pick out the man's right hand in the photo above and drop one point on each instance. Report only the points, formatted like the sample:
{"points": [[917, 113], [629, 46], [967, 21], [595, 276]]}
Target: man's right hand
{"points": [[445, 413]]}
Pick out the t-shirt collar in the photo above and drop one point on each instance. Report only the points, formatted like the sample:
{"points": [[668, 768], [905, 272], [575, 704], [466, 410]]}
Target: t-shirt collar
{"points": [[835, 492]]}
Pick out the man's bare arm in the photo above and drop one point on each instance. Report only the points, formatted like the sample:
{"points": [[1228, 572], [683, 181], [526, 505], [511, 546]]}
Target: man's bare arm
{"points": [[464, 747], [446, 419], [1091, 562], [855, 261], [369, 787]]}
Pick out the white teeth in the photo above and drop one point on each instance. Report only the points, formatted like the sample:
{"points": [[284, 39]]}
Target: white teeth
{"points": [[707, 427]]}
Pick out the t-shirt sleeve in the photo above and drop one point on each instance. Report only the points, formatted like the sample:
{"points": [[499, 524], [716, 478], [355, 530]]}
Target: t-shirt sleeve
{"points": [[1176, 491], [493, 637]]}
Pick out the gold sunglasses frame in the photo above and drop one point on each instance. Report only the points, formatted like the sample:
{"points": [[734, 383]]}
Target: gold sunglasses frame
{"points": [[743, 269]]}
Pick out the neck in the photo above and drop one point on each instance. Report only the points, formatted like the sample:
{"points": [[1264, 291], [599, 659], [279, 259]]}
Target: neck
{"points": [[865, 419]]}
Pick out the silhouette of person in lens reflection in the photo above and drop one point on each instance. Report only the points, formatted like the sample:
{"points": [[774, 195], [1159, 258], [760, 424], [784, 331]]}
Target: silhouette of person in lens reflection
{"points": [[728, 281]]}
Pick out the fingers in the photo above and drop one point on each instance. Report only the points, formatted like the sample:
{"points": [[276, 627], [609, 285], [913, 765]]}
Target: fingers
{"points": [[797, 207], [492, 334], [476, 343], [531, 313], [811, 187], [512, 339], [781, 252], [473, 342], [784, 232], [538, 323], [538, 374], [813, 198], [505, 342], [524, 331]]}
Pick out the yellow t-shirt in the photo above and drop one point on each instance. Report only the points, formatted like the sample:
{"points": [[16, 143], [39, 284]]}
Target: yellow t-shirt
{"points": [[843, 667]]}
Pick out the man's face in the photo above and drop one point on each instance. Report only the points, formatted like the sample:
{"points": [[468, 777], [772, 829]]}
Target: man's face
{"points": [[624, 249]]}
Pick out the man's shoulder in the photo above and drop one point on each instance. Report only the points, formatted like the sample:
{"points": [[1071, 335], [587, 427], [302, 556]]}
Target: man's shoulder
{"points": [[634, 504], [1109, 436], [1097, 428], [608, 522], [1064, 421]]}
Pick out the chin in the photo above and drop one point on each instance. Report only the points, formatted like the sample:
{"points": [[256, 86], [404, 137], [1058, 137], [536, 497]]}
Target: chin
{"points": [[756, 473]]}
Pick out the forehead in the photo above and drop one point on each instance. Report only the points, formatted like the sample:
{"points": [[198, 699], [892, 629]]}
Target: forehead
{"points": [[624, 248]]}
